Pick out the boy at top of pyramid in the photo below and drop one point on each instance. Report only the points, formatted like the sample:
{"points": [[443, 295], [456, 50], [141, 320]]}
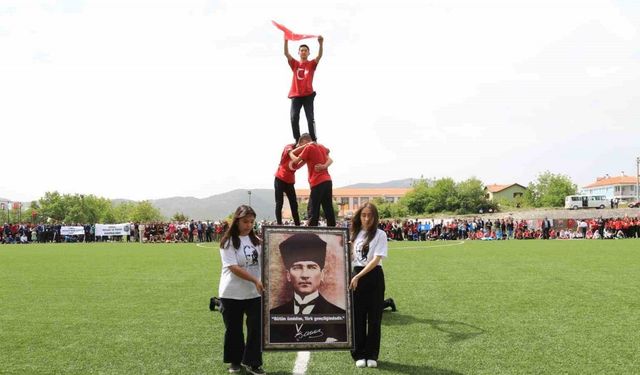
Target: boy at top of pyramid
{"points": [[301, 92]]}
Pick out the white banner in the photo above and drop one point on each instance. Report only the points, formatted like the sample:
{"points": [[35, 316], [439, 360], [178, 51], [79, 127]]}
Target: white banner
{"points": [[113, 229], [71, 230]]}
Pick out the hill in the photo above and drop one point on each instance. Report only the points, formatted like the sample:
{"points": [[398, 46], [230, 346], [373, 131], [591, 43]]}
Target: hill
{"points": [[404, 183], [219, 206]]}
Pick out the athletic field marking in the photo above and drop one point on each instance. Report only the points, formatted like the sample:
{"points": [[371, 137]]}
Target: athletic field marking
{"points": [[428, 247], [302, 360], [207, 247]]}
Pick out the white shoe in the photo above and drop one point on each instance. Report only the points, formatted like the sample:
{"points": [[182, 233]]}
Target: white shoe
{"points": [[372, 363], [361, 363]]}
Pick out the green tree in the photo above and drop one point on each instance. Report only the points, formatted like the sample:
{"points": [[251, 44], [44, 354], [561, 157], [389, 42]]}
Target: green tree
{"points": [[416, 200], [443, 196], [549, 190], [471, 196], [122, 212], [179, 216], [98, 210], [302, 210], [431, 196], [53, 206], [145, 212]]}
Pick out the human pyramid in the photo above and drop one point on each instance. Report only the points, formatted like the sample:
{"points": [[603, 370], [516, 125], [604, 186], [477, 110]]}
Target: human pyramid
{"points": [[303, 254], [305, 149]]}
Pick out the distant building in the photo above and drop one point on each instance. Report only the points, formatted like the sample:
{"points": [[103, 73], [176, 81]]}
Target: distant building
{"points": [[621, 187], [349, 200], [504, 192]]}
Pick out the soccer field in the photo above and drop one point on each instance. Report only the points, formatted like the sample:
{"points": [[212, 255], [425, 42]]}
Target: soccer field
{"points": [[510, 307]]}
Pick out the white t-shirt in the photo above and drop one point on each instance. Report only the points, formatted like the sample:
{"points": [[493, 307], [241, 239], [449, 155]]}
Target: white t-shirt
{"points": [[377, 246], [247, 257]]}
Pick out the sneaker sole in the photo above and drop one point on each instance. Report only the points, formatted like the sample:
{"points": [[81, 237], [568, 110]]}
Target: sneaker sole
{"points": [[248, 369]]}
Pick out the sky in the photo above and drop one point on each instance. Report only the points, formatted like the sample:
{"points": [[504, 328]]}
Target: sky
{"points": [[143, 99]]}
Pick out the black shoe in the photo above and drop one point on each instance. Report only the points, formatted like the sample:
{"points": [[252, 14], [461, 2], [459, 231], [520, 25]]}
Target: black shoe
{"points": [[391, 303], [234, 368], [255, 370], [213, 302]]}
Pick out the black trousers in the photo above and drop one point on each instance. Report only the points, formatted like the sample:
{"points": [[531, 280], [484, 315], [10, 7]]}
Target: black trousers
{"points": [[296, 105], [282, 187], [321, 196], [235, 349], [368, 300]]}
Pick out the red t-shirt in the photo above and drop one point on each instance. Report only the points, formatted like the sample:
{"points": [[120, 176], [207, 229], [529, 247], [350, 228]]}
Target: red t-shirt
{"points": [[316, 154], [302, 82], [284, 172]]}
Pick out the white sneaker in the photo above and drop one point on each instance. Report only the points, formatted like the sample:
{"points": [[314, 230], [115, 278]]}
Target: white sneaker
{"points": [[372, 363], [361, 363]]}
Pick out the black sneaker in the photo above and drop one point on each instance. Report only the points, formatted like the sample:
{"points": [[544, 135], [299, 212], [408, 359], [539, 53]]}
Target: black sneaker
{"points": [[234, 368], [255, 370], [390, 303]]}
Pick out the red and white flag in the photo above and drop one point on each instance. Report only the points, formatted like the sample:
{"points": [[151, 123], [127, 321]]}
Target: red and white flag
{"points": [[290, 35]]}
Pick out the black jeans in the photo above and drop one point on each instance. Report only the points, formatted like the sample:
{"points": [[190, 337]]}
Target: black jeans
{"points": [[235, 350], [321, 195], [296, 105], [282, 187], [368, 303]]}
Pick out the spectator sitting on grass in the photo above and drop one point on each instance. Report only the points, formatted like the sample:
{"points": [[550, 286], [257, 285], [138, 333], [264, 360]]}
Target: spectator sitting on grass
{"points": [[608, 234]]}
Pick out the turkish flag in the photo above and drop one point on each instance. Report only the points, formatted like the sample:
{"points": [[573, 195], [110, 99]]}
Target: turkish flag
{"points": [[290, 35]]}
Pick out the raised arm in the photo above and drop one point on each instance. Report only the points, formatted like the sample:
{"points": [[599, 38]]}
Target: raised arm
{"points": [[320, 50], [293, 154], [286, 50], [294, 158]]}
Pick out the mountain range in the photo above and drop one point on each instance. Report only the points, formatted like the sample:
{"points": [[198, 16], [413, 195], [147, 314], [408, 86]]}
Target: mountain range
{"points": [[219, 206]]}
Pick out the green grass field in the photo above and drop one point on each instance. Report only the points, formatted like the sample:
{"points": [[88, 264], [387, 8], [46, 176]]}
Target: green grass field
{"points": [[515, 307]]}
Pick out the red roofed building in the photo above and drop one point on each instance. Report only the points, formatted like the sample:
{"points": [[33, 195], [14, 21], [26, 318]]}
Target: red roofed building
{"points": [[621, 187], [349, 199], [509, 192]]}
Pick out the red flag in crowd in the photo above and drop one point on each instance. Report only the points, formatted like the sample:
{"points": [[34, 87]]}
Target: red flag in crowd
{"points": [[290, 35]]}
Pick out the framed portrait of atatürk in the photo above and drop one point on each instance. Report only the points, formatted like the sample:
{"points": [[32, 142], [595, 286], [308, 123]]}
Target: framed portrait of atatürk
{"points": [[306, 303]]}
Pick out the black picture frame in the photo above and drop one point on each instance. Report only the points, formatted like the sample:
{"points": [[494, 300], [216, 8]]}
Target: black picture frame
{"points": [[329, 323]]}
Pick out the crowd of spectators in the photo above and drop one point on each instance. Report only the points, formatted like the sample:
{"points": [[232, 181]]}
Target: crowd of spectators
{"points": [[190, 231], [509, 229], [410, 230]]}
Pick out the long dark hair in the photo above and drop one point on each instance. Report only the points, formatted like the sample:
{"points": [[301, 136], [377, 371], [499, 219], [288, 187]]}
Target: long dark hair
{"points": [[356, 226], [233, 232]]}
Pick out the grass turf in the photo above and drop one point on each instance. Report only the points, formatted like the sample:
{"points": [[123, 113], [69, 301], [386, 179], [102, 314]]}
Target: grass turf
{"points": [[513, 307]]}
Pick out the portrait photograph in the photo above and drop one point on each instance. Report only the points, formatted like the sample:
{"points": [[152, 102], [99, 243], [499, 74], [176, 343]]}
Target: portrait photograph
{"points": [[307, 302]]}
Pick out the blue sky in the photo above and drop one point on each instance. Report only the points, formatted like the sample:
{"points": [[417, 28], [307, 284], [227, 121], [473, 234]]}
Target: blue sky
{"points": [[150, 99]]}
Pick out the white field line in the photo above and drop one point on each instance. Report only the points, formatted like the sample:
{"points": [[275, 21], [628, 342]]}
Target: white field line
{"points": [[207, 247], [428, 247], [302, 360]]}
